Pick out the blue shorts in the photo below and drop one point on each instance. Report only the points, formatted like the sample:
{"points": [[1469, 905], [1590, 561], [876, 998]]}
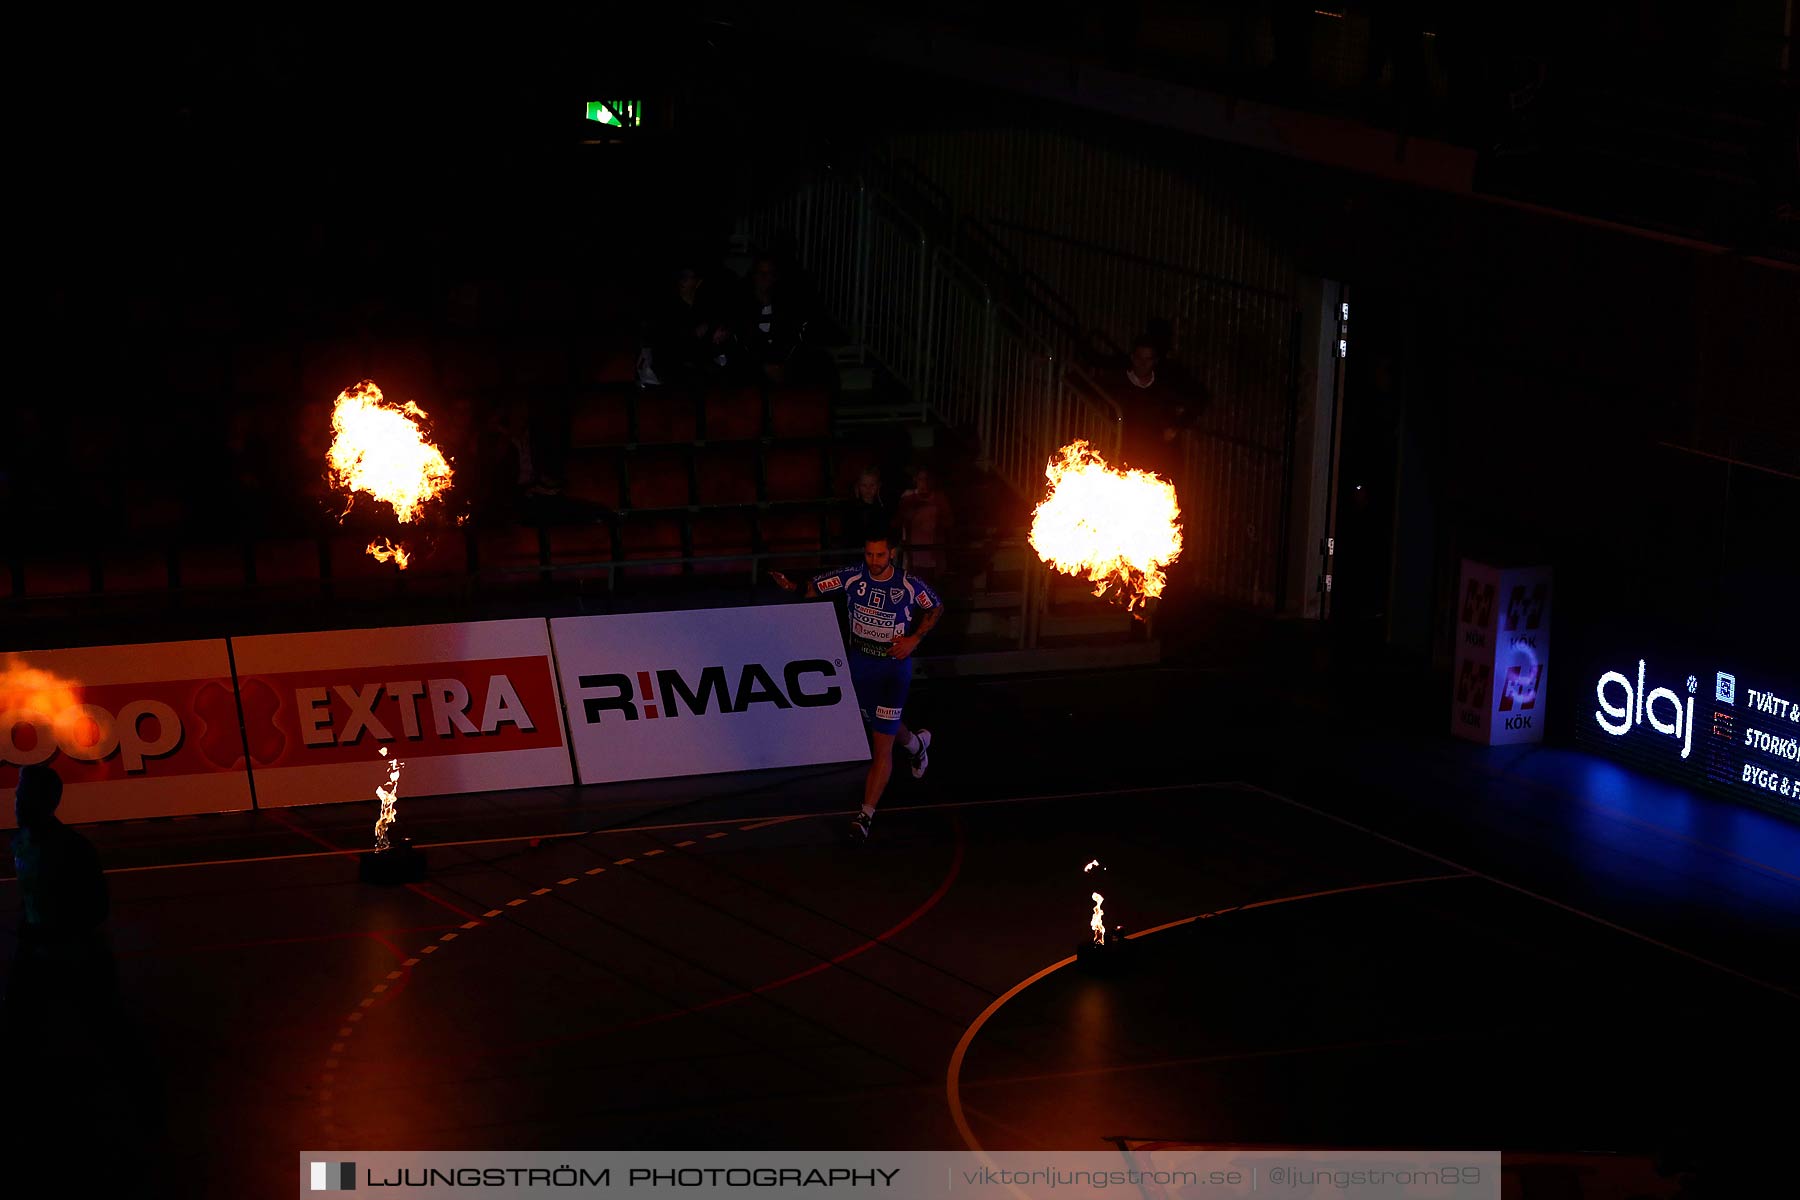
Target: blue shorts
{"points": [[881, 685]]}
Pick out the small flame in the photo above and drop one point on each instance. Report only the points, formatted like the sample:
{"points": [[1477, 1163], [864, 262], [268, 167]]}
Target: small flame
{"points": [[384, 550], [382, 448], [1098, 924], [1119, 528], [389, 795], [1091, 865]]}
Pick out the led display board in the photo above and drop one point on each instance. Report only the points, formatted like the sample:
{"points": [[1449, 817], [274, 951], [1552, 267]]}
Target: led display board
{"points": [[1729, 724]]}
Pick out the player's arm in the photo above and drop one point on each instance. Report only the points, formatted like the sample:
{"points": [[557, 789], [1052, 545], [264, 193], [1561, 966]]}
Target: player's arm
{"points": [[928, 617], [925, 624], [809, 592]]}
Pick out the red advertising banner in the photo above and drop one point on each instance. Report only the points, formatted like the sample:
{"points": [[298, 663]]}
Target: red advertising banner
{"points": [[134, 731], [467, 707]]}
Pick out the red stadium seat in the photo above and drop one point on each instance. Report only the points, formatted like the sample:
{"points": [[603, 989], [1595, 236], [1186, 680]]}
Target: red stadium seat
{"points": [[353, 566], [848, 462], [134, 569], [495, 303], [545, 302], [658, 477], [265, 369], [719, 534], [734, 415], [199, 368], [403, 369], [601, 419], [153, 516], [471, 364], [593, 477], [540, 362], [614, 362], [725, 474], [605, 305], [510, 557], [286, 562], [327, 368], [439, 561], [211, 568], [650, 537], [799, 413], [61, 575], [581, 551], [795, 534], [665, 416], [795, 473]]}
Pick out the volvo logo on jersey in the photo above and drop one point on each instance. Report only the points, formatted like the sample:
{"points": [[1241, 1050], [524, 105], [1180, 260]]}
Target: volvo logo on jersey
{"points": [[654, 695]]}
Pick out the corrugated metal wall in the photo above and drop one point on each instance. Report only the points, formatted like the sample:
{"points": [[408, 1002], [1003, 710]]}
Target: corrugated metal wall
{"points": [[1125, 241]]}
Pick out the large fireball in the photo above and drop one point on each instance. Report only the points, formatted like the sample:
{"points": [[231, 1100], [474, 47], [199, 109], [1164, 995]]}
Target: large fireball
{"points": [[381, 449], [1118, 529]]}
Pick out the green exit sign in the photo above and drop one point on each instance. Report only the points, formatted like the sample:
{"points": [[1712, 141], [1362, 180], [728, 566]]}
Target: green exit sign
{"points": [[621, 114]]}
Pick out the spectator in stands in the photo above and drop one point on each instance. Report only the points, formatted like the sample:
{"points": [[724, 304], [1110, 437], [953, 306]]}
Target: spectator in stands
{"points": [[502, 464], [681, 335], [248, 459], [1155, 411], [63, 959], [866, 515], [550, 413], [769, 329], [1396, 40], [925, 520]]}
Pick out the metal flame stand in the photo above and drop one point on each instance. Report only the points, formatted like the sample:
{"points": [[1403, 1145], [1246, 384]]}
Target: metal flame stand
{"points": [[399, 863], [1105, 958]]}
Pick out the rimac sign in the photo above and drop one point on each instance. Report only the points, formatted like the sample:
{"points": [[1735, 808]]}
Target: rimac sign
{"points": [[653, 695]]}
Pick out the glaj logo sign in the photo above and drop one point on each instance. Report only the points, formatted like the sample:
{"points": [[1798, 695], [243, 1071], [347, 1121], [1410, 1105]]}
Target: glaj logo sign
{"points": [[1636, 706]]}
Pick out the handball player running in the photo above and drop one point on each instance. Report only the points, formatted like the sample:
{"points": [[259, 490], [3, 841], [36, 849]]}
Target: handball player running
{"points": [[890, 613]]}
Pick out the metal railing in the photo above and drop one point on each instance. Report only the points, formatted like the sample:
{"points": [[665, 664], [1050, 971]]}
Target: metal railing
{"points": [[992, 347], [936, 326], [1013, 609]]}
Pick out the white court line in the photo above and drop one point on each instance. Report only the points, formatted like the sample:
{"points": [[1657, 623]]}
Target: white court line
{"points": [[1513, 887], [1223, 784], [739, 822], [953, 1075]]}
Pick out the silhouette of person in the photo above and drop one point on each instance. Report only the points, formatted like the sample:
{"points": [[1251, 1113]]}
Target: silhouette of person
{"points": [[75, 1058], [63, 959]]}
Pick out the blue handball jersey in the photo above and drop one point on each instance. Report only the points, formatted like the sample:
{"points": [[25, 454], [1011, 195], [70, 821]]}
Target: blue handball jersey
{"points": [[880, 610]]}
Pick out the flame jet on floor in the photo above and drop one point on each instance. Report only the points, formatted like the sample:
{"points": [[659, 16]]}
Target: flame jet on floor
{"points": [[394, 860]]}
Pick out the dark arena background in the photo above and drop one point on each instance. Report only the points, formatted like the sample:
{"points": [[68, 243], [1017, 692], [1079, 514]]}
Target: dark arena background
{"points": [[1447, 799]]}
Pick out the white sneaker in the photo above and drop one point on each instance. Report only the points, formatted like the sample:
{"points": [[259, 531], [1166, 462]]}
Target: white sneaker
{"points": [[922, 759]]}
